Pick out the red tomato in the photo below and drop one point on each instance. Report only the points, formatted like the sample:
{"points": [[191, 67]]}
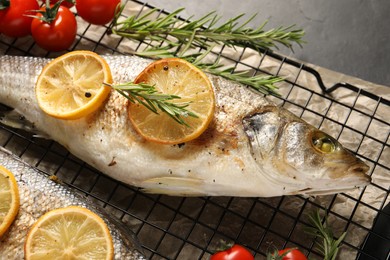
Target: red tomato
{"points": [[236, 252], [14, 22], [66, 3], [1, 16], [57, 35], [294, 254], [97, 11]]}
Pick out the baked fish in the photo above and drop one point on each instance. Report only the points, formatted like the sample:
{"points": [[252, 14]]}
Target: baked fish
{"points": [[38, 195], [252, 148]]}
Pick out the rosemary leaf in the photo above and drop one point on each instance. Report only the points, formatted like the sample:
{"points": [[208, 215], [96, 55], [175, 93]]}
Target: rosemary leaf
{"points": [[261, 83], [148, 96], [199, 35], [177, 37], [264, 84], [330, 246]]}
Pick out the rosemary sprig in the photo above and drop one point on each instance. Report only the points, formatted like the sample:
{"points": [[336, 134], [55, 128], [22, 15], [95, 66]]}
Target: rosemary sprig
{"points": [[176, 37], [148, 96], [203, 31], [262, 83], [330, 246]]}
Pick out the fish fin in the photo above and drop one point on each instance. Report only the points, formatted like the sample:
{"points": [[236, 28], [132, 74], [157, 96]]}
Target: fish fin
{"points": [[14, 119], [174, 186]]}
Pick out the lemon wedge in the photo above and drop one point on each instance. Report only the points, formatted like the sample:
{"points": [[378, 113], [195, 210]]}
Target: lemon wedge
{"points": [[71, 86], [178, 77]]}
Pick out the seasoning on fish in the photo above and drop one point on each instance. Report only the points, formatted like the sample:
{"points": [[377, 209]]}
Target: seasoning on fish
{"points": [[251, 148], [40, 195]]}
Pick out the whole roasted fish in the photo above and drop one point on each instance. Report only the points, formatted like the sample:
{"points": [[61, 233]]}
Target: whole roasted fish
{"points": [[252, 147], [38, 195]]}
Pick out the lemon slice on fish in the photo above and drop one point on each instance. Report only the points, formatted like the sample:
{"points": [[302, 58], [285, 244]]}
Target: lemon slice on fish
{"points": [[9, 199], [69, 233], [178, 77], [71, 86]]}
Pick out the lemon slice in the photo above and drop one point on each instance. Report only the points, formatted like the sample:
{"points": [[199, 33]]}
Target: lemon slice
{"points": [[71, 86], [69, 233], [9, 199], [174, 76]]}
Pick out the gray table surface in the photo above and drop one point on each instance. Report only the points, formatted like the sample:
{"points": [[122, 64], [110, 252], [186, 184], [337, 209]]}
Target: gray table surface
{"points": [[349, 36]]}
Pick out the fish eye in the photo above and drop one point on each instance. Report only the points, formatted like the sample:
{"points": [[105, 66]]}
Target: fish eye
{"points": [[323, 142]]}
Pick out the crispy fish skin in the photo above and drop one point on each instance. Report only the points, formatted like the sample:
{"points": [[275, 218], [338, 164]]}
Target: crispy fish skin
{"points": [[38, 195], [252, 147]]}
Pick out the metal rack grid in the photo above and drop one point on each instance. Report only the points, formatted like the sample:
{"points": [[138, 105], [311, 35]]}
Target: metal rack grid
{"points": [[192, 228]]}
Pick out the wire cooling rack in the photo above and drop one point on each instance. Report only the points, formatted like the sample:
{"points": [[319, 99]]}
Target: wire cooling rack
{"points": [[193, 228]]}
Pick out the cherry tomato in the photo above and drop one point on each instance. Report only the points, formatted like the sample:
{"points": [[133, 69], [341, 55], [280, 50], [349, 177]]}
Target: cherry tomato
{"points": [[66, 3], [1, 16], [14, 22], [57, 35], [293, 254], [236, 252], [97, 11]]}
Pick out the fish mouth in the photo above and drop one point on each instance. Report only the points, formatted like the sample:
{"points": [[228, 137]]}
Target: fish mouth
{"points": [[354, 169], [358, 169], [354, 177], [359, 172], [316, 192]]}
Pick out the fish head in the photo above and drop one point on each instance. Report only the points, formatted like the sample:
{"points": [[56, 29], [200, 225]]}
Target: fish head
{"points": [[301, 158]]}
